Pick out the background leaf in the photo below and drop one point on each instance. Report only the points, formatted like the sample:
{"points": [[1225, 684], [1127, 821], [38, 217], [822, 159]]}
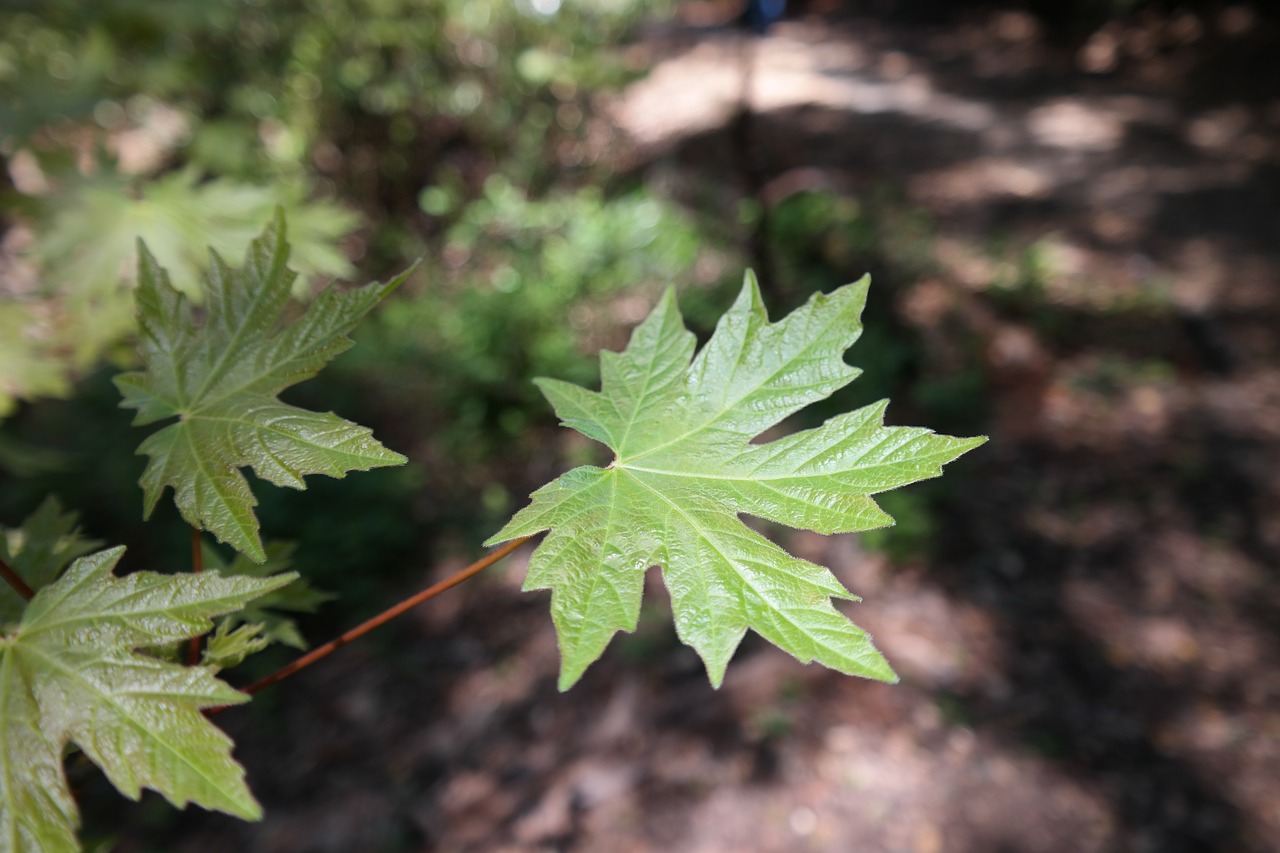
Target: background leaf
{"points": [[29, 365], [46, 542], [266, 610]]}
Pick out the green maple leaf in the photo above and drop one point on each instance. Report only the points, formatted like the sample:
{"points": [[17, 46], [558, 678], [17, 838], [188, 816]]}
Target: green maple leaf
{"points": [[69, 673], [681, 429], [267, 612], [228, 645], [220, 380], [39, 550]]}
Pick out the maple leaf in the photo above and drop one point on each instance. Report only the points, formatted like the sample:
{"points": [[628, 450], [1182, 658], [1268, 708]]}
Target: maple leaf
{"points": [[69, 673], [86, 238], [681, 429], [220, 380], [228, 645], [88, 232], [267, 612], [39, 550]]}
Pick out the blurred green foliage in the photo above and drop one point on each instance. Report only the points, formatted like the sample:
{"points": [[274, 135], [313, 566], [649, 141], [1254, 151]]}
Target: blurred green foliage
{"points": [[263, 103], [525, 287], [518, 270]]}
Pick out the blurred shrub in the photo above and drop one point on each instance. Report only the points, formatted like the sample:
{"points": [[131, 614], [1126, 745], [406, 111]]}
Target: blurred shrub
{"points": [[525, 288], [370, 90], [270, 101], [65, 61]]}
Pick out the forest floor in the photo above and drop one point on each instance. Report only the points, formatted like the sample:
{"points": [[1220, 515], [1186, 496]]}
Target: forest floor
{"points": [[1090, 652]]}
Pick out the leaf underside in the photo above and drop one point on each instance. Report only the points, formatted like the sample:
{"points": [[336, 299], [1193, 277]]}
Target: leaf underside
{"points": [[681, 428], [221, 379], [69, 673]]}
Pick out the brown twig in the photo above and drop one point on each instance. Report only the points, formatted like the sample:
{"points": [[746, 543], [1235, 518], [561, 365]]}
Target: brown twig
{"points": [[19, 585], [197, 566], [382, 618]]}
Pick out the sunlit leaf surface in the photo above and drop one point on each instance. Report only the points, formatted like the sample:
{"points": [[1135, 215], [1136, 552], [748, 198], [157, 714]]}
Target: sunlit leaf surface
{"points": [[681, 428], [69, 673], [220, 378]]}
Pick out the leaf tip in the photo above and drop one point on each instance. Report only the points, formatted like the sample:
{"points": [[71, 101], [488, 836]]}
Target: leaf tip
{"points": [[274, 582], [144, 254], [716, 661], [669, 300], [750, 298], [572, 663], [272, 244], [870, 663], [246, 540], [401, 278], [101, 562]]}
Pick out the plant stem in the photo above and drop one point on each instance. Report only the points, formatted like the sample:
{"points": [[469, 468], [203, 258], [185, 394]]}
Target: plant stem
{"points": [[382, 618], [19, 585], [197, 566]]}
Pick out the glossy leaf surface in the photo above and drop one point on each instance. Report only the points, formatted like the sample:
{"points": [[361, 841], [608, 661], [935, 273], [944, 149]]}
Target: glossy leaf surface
{"points": [[221, 378], [69, 673], [681, 428]]}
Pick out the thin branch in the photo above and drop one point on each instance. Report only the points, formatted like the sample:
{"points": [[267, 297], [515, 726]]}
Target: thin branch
{"points": [[19, 585], [385, 616], [197, 566]]}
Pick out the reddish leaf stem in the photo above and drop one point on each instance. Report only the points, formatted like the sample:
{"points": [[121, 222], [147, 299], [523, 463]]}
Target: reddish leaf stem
{"points": [[382, 618], [197, 566], [19, 585]]}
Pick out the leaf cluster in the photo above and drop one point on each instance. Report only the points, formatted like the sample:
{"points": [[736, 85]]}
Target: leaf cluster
{"points": [[91, 662]]}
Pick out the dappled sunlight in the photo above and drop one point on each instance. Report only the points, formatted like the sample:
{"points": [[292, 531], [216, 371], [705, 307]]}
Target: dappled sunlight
{"points": [[1111, 162], [1162, 632], [865, 788]]}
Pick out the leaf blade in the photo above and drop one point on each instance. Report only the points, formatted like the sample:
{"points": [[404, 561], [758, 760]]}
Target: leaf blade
{"points": [[70, 673], [220, 380], [681, 425]]}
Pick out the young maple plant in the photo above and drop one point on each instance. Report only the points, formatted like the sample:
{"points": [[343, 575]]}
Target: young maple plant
{"points": [[91, 660]]}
